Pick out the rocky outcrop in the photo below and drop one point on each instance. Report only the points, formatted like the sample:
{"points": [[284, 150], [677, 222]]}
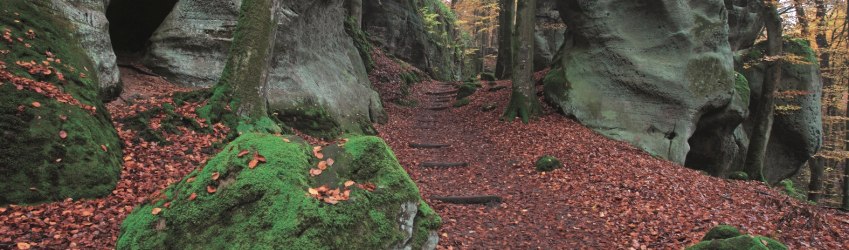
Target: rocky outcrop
{"points": [[364, 200], [317, 83], [56, 139], [398, 27], [744, 22], [88, 18], [797, 129], [549, 33], [644, 72]]}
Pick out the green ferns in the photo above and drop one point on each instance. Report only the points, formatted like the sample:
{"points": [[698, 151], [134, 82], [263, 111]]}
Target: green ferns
{"points": [[269, 206]]}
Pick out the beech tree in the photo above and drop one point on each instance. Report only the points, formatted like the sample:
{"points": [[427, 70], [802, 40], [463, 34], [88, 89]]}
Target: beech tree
{"points": [[240, 95], [523, 100], [503, 64], [762, 113]]}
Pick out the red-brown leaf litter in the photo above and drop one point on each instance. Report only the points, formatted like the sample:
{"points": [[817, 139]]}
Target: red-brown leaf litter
{"points": [[608, 195]]}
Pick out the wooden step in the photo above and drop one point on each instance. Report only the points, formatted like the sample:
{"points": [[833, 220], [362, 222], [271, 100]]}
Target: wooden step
{"points": [[438, 108], [447, 92], [468, 200], [444, 164], [428, 145]]}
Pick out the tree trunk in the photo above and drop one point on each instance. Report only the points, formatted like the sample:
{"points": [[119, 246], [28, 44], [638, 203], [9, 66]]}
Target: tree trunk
{"points": [[815, 185], [763, 111], [241, 88], [523, 100], [355, 11], [504, 63], [802, 18]]}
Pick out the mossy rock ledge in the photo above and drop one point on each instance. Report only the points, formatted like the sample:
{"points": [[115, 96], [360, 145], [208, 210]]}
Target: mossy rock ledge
{"points": [[725, 237], [56, 139], [228, 205]]}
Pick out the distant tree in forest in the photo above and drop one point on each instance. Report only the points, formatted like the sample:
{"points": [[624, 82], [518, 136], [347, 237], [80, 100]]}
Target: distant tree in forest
{"points": [[503, 65], [239, 97], [523, 100], [763, 111]]}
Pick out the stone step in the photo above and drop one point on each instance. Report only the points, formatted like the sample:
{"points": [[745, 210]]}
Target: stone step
{"points": [[428, 145], [444, 164], [468, 200]]}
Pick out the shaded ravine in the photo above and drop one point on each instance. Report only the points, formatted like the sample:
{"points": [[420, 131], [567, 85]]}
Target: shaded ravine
{"points": [[609, 195]]}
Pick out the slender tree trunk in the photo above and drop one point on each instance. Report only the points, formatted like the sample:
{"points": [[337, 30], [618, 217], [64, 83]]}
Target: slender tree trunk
{"points": [[523, 100], [802, 18], [763, 111], [355, 11], [816, 184], [242, 87], [845, 186], [504, 63]]}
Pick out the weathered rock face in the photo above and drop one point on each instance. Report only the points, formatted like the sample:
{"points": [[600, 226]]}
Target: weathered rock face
{"points": [[279, 204], [797, 129], [317, 82], [399, 28], [744, 22], [644, 72], [56, 140], [88, 18], [549, 33]]}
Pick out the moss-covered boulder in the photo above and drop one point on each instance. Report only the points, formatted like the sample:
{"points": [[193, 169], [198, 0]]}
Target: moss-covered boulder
{"points": [[722, 232], [547, 163], [363, 199], [725, 237], [56, 140]]}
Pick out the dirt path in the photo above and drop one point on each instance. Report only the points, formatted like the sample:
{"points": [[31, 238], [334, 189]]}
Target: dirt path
{"points": [[609, 195]]}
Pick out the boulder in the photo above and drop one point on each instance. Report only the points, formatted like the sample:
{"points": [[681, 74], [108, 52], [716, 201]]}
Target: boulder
{"points": [[363, 200], [644, 72], [727, 237], [400, 29], [548, 34], [744, 22], [797, 129], [56, 139], [88, 19], [318, 82]]}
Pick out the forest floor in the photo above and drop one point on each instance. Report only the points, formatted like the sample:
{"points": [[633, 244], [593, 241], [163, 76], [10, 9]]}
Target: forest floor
{"points": [[608, 195]]}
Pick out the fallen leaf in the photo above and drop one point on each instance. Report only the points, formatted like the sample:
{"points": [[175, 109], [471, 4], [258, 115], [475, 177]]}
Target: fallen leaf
{"points": [[260, 158], [193, 196], [63, 134], [312, 191], [242, 153], [156, 211], [331, 200], [23, 245], [36, 104], [315, 172], [104, 148], [286, 140], [349, 183], [322, 165], [190, 179], [210, 189], [253, 163], [215, 176], [330, 162]]}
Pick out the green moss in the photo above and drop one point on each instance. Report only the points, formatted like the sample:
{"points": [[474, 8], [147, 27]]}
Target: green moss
{"points": [[312, 119], [488, 76], [462, 102], [742, 242], [200, 95], [722, 232], [555, 85], [37, 165], [169, 123], [468, 88], [741, 85], [788, 189], [739, 175], [547, 163], [361, 41], [268, 206]]}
